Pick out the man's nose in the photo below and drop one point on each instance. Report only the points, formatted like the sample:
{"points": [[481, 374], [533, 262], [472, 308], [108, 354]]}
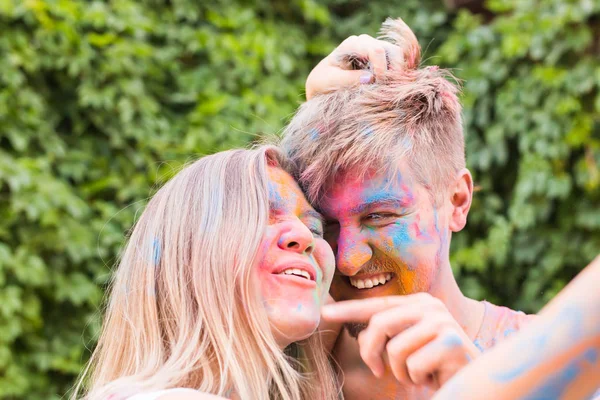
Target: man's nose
{"points": [[352, 253], [297, 238]]}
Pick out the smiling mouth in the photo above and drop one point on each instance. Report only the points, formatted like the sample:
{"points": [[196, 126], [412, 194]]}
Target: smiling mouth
{"points": [[296, 272], [372, 281]]}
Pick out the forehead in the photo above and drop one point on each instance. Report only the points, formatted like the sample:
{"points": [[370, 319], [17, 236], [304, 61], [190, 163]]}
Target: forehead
{"points": [[284, 192], [352, 192]]}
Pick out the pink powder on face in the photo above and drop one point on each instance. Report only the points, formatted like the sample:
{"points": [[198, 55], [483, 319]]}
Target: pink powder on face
{"points": [[384, 223], [292, 240]]}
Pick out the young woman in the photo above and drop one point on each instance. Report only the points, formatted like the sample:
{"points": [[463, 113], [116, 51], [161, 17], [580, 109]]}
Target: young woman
{"points": [[218, 291]]}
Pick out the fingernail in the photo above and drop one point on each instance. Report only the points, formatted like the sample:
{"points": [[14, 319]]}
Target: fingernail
{"points": [[366, 78], [377, 372]]}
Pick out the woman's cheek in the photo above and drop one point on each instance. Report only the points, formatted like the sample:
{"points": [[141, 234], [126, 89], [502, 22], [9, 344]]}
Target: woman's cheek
{"points": [[326, 261]]}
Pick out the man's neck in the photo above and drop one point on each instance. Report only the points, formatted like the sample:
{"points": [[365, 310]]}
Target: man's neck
{"points": [[467, 312]]}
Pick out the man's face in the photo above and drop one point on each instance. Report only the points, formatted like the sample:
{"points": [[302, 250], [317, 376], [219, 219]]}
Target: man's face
{"points": [[388, 237]]}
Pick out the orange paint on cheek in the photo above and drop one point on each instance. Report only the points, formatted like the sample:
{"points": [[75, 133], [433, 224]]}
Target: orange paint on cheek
{"points": [[408, 281]]}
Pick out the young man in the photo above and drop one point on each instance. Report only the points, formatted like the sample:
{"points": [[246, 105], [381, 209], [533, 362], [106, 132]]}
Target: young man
{"points": [[384, 162]]}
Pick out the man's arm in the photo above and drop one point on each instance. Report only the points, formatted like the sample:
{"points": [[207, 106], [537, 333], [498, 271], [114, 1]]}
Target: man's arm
{"points": [[557, 356]]}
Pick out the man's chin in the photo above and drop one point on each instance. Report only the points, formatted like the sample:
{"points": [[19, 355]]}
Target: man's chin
{"points": [[354, 329]]}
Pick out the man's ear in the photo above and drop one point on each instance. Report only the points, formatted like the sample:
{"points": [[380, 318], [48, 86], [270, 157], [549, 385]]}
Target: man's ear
{"points": [[461, 197]]}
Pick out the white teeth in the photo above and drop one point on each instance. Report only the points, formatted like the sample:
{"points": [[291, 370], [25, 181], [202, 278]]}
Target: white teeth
{"points": [[380, 279], [297, 272]]}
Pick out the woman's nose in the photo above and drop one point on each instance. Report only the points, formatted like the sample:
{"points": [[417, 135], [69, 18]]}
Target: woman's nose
{"points": [[297, 237]]}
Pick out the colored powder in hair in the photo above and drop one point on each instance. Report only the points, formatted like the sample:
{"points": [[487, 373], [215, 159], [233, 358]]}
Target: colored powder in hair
{"points": [[314, 134], [368, 131], [156, 251]]}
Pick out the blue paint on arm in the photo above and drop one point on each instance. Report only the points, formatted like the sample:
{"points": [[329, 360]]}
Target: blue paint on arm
{"points": [[531, 351], [556, 385]]}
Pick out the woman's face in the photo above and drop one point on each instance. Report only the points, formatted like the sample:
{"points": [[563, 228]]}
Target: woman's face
{"points": [[296, 265]]}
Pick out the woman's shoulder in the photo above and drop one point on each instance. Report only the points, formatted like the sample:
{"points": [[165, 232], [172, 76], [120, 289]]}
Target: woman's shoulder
{"points": [[175, 394]]}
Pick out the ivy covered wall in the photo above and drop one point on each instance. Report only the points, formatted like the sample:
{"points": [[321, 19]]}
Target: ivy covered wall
{"points": [[102, 101]]}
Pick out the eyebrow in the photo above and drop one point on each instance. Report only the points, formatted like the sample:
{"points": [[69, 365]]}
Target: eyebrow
{"points": [[382, 201], [314, 214], [276, 206]]}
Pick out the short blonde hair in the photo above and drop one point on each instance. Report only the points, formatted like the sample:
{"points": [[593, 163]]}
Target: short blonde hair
{"points": [[411, 113], [183, 309]]}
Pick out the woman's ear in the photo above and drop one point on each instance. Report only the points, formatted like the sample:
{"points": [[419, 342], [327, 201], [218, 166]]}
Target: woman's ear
{"points": [[461, 197]]}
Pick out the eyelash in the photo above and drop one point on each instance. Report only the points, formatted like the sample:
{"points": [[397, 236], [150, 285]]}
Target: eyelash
{"points": [[317, 232], [379, 217]]}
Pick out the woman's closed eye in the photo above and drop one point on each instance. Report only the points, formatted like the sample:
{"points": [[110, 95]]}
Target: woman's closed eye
{"points": [[316, 227]]}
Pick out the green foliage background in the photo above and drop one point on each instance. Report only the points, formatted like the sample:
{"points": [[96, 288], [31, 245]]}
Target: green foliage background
{"points": [[101, 101]]}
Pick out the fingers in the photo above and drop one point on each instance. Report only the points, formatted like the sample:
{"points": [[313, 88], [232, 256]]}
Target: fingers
{"points": [[437, 361], [406, 343], [366, 49], [363, 310], [358, 59], [378, 60], [329, 81], [383, 326], [414, 334]]}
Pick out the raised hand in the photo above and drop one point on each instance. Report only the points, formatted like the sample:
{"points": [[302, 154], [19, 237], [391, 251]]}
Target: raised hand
{"points": [[415, 335], [358, 59]]}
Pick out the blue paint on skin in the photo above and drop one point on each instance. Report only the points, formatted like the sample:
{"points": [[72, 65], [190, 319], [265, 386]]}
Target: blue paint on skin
{"points": [[274, 195], [477, 344], [556, 385], [452, 340], [436, 222], [442, 236], [400, 235], [570, 318], [399, 231], [299, 308], [508, 332], [379, 196]]}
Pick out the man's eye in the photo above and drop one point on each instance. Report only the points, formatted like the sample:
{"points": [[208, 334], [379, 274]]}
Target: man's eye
{"points": [[379, 216]]}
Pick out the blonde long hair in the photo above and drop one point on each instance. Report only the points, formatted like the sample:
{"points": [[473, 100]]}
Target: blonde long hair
{"points": [[183, 310]]}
